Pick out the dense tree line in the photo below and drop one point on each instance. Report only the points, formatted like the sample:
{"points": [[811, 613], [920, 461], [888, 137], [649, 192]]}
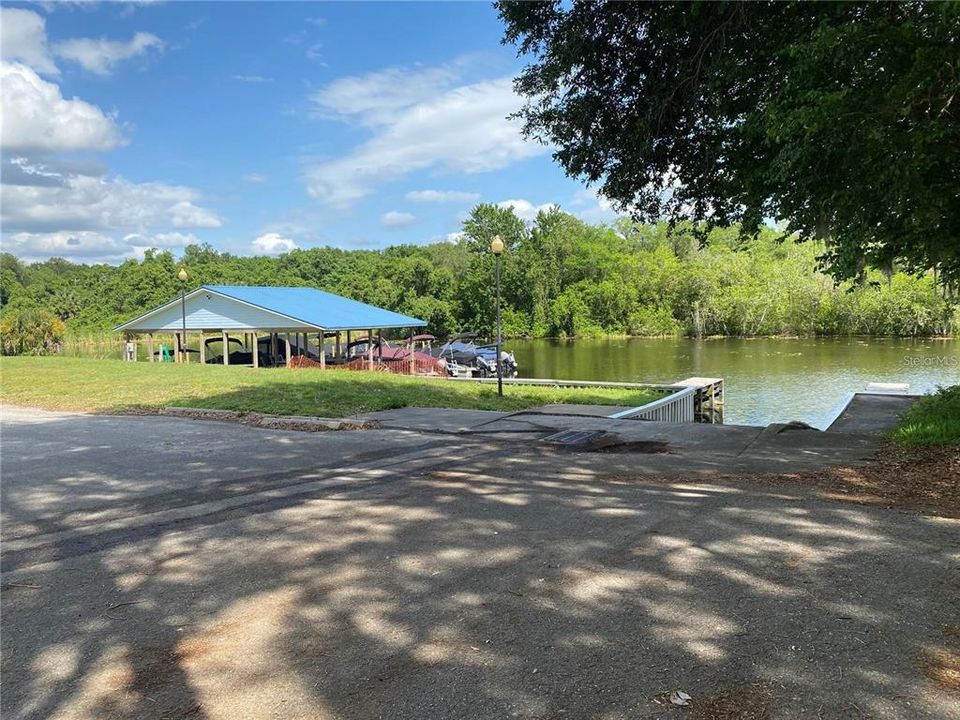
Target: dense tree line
{"points": [[561, 277]]}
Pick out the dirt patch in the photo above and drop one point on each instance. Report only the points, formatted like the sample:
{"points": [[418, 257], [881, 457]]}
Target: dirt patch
{"points": [[744, 702], [942, 664], [253, 419], [640, 446], [925, 479]]}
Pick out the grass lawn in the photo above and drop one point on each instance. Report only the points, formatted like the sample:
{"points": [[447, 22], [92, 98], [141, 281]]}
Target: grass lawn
{"points": [[933, 420], [59, 383]]}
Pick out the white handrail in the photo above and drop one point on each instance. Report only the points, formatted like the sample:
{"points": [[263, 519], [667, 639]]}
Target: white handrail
{"points": [[676, 407]]}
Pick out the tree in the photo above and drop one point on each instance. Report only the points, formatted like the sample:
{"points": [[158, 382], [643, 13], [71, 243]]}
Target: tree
{"points": [[839, 118]]}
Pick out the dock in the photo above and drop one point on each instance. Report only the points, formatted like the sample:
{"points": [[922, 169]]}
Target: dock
{"points": [[871, 413]]}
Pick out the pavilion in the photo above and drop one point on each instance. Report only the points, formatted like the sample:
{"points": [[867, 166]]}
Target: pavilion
{"points": [[239, 314]]}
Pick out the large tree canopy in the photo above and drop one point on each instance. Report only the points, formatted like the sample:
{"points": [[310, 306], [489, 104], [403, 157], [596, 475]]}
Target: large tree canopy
{"points": [[839, 118]]}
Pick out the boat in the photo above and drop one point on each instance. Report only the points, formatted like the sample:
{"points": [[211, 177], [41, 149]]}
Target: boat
{"points": [[467, 359], [384, 353]]}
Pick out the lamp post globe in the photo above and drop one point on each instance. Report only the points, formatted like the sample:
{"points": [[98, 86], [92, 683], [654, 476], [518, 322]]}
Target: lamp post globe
{"points": [[496, 247]]}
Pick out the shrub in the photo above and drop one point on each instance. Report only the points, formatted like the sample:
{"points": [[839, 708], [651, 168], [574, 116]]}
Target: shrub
{"points": [[933, 420], [30, 331]]}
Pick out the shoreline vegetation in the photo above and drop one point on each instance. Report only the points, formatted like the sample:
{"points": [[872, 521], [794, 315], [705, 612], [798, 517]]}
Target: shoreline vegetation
{"points": [[562, 278], [110, 345], [933, 420], [57, 383]]}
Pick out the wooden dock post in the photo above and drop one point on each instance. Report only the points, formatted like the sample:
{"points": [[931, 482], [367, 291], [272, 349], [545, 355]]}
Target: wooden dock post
{"points": [[709, 398]]}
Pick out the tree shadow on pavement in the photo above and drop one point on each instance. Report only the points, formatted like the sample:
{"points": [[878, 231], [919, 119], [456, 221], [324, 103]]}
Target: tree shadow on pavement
{"points": [[484, 584]]}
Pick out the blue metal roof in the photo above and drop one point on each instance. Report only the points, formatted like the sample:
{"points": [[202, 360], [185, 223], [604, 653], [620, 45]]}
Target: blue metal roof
{"points": [[316, 307], [239, 307]]}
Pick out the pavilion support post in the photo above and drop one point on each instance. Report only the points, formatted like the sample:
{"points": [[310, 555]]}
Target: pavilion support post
{"points": [[349, 340], [203, 348], [286, 347], [370, 348], [150, 347], [379, 345], [273, 349], [225, 339], [322, 351], [336, 350], [413, 361], [303, 348], [177, 347], [256, 351]]}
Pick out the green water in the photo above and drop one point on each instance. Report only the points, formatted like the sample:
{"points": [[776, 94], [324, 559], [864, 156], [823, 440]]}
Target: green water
{"points": [[766, 380]]}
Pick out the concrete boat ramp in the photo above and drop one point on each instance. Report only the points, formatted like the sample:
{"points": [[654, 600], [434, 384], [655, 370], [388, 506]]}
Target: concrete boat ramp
{"points": [[659, 447]]}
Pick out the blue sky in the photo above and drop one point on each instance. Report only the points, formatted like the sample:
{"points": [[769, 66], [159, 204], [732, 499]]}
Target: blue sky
{"points": [[259, 127]]}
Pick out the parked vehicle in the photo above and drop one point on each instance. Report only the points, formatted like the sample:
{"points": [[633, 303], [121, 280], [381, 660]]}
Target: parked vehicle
{"points": [[467, 359]]}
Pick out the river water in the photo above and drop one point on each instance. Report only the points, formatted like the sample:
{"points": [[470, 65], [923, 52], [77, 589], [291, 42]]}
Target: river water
{"points": [[766, 380]]}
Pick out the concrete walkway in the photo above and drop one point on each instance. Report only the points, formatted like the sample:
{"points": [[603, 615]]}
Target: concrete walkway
{"points": [[678, 447], [867, 413]]}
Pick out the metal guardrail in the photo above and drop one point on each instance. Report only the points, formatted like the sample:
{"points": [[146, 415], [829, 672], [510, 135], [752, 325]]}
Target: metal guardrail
{"points": [[677, 407], [690, 400]]}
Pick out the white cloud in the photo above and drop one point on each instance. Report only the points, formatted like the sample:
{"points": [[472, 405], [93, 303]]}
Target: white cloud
{"points": [[394, 219], [36, 117], [375, 98], [161, 240], [55, 205], [91, 246], [252, 78], [99, 55], [185, 214], [82, 202], [272, 244], [442, 196], [255, 178], [591, 206], [524, 209], [23, 38], [455, 237], [83, 245], [464, 130]]}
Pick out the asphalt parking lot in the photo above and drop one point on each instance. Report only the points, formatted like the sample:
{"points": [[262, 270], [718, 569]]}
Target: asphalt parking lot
{"points": [[163, 568]]}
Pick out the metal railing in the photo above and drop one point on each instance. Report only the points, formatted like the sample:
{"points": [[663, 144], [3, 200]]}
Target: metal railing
{"points": [[677, 407], [686, 401]]}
